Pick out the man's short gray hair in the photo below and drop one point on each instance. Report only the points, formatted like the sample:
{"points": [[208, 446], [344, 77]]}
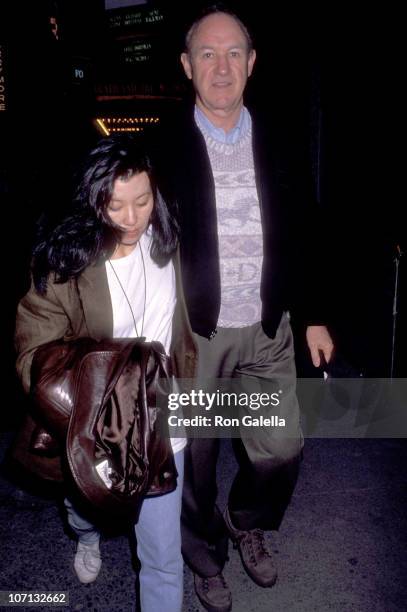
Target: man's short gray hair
{"points": [[213, 9]]}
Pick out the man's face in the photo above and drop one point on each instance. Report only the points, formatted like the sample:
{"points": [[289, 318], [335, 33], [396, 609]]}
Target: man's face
{"points": [[219, 64]]}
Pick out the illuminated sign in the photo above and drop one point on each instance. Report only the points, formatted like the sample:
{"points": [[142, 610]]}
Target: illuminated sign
{"points": [[80, 71], [136, 51], [135, 17], [154, 16], [109, 125], [3, 91]]}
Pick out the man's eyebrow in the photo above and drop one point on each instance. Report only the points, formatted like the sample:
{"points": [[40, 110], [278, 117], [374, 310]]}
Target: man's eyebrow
{"points": [[213, 47]]}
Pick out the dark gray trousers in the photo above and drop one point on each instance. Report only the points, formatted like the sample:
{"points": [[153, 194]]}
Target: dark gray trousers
{"points": [[267, 463]]}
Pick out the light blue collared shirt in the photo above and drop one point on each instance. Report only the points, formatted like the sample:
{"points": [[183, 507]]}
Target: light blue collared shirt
{"points": [[241, 128]]}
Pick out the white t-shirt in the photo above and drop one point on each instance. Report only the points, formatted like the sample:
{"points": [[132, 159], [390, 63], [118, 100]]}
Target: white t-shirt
{"points": [[157, 290]]}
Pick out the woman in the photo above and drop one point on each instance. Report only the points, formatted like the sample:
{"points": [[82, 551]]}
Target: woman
{"points": [[107, 270]]}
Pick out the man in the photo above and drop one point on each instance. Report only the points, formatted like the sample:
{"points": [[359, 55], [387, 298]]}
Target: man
{"points": [[243, 203]]}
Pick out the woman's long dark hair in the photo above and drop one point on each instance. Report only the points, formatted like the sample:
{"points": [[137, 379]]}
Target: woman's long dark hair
{"points": [[88, 233]]}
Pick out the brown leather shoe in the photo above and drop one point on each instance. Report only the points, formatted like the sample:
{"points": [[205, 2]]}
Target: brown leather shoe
{"points": [[254, 553], [213, 593]]}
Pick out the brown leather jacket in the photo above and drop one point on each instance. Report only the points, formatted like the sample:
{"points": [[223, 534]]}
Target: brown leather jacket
{"points": [[100, 400]]}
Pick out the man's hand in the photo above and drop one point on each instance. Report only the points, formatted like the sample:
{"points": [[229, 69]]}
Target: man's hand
{"points": [[318, 339]]}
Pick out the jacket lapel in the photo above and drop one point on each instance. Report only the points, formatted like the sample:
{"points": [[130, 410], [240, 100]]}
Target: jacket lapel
{"points": [[96, 303]]}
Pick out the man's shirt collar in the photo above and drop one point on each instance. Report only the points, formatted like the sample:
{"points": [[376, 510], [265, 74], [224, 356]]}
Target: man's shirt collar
{"points": [[234, 135]]}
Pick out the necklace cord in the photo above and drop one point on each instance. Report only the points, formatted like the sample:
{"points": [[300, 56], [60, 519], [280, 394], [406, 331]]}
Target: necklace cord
{"points": [[125, 294]]}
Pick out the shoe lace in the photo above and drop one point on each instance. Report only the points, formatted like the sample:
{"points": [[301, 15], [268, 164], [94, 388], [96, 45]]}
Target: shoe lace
{"points": [[259, 540], [256, 544], [213, 581]]}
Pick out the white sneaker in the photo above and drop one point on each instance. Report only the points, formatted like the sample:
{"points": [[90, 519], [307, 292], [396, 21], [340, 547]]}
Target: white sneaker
{"points": [[87, 562]]}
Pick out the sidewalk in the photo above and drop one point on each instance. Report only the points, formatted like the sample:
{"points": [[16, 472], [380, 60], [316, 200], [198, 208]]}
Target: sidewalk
{"points": [[342, 546]]}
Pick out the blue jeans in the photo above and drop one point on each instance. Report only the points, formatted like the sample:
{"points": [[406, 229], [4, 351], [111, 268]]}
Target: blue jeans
{"points": [[158, 536]]}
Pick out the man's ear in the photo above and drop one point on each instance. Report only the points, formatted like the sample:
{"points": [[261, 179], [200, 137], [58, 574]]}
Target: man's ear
{"points": [[186, 64], [250, 61]]}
